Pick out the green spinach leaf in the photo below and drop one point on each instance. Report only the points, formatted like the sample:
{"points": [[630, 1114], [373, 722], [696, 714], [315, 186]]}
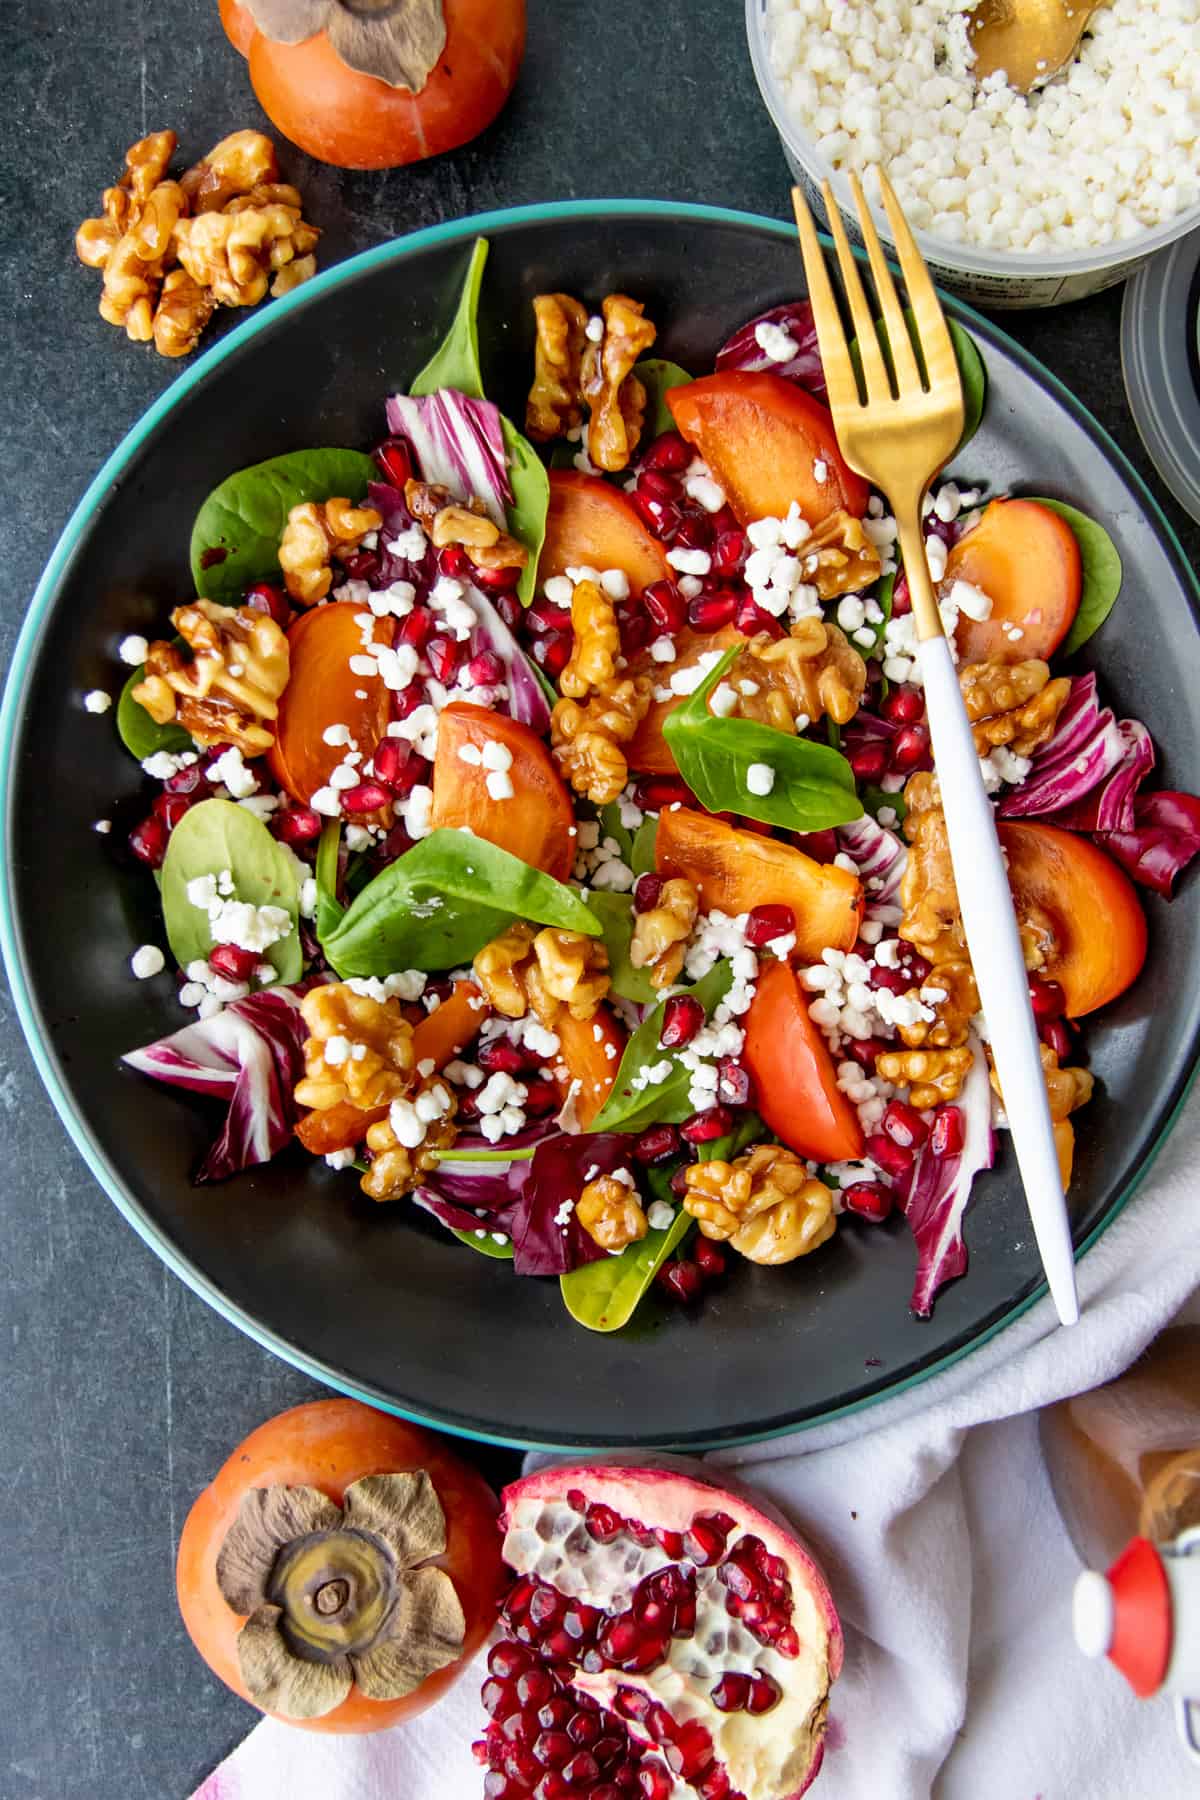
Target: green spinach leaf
{"points": [[530, 504], [631, 1107], [875, 799], [611, 827], [615, 913], [883, 596], [658, 377], [645, 842], [217, 835], [442, 901], [813, 787], [971, 370], [139, 733], [329, 908], [235, 540], [1102, 573], [455, 363]]}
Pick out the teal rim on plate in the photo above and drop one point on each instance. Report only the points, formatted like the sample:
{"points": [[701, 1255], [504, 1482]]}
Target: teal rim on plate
{"points": [[397, 251]]}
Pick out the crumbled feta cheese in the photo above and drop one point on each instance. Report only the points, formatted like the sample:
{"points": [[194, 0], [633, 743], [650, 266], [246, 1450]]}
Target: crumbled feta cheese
{"points": [[103, 826], [686, 681], [820, 471], [146, 961], [326, 802], [972, 601], [496, 755], [471, 754], [660, 1216], [722, 701], [418, 811], [775, 341], [662, 650], [594, 329], [410, 545], [230, 769], [499, 785], [705, 492], [133, 650], [340, 1159], [97, 701], [760, 778], [163, 764], [615, 583], [559, 591]]}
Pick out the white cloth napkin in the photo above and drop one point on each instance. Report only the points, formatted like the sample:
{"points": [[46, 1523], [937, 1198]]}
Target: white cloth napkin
{"points": [[948, 1562]]}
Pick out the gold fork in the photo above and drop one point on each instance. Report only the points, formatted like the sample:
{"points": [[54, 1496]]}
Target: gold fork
{"points": [[898, 438]]}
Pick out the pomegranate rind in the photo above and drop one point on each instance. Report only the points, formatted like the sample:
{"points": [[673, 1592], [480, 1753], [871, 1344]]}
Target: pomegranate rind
{"points": [[668, 1492]]}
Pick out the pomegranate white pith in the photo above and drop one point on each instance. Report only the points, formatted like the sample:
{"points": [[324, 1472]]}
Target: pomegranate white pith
{"points": [[737, 1638]]}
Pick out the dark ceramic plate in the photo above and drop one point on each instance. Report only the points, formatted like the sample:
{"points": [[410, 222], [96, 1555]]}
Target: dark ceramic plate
{"points": [[377, 1300]]}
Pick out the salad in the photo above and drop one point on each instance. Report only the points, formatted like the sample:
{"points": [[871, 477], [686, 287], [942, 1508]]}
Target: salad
{"points": [[546, 830]]}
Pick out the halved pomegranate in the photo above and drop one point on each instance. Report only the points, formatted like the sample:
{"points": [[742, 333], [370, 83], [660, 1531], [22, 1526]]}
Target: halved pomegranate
{"points": [[663, 1637]]}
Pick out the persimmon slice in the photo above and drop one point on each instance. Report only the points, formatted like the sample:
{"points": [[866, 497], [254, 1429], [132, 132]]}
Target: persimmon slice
{"points": [[594, 525], [535, 823], [1089, 905], [795, 1081], [648, 752], [1026, 559], [322, 691]]}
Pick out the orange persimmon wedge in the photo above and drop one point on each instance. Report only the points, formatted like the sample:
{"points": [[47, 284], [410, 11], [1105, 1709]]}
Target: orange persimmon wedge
{"points": [[768, 443], [535, 824], [736, 871], [591, 524], [1090, 905], [795, 1081], [1026, 559], [589, 1052], [340, 1127], [648, 752], [445, 1033], [323, 690]]}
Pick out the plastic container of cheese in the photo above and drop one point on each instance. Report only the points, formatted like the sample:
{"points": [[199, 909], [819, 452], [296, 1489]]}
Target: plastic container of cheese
{"points": [[1160, 358], [990, 278]]}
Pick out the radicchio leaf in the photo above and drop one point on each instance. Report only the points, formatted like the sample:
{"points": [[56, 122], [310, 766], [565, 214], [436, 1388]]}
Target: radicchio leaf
{"points": [[880, 857], [1086, 777], [458, 443], [939, 1188], [397, 519], [527, 701], [743, 350], [251, 1054], [463, 1196], [1163, 841], [544, 1243]]}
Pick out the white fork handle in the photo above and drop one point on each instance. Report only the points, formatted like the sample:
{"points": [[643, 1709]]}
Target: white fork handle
{"points": [[995, 946]]}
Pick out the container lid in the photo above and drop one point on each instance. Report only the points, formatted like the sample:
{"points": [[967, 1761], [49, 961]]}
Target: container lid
{"points": [[1160, 356]]}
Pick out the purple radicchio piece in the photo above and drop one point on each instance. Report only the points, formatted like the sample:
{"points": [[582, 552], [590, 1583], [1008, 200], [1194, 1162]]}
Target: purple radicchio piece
{"points": [[803, 365], [880, 857], [939, 1188], [1164, 839], [1087, 776], [547, 1236], [458, 443]]}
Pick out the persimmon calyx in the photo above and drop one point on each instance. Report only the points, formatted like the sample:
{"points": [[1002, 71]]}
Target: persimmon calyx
{"points": [[335, 1594], [397, 41]]}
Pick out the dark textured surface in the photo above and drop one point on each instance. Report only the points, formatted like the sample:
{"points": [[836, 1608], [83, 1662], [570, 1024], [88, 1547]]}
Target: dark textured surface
{"points": [[121, 1391]]}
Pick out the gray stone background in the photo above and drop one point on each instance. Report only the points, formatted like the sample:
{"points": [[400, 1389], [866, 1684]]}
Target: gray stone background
{"points": [[120, 1393]]}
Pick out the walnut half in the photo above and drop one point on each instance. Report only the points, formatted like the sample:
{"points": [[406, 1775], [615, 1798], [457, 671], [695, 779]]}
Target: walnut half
{"points": [[314, 531], [228, 692], [765, 1204]]}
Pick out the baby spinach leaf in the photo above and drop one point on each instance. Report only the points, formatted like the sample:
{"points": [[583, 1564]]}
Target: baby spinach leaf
{"points": [[971, 370], [1102, 573], [441, 902], [611, 827], [875, 799], [658, 377], [329, 908], [455, 363], [235, 540], [615, 913], [141, 735], [645, 843], [813, 788], [632, 1107], [883, 599], [485, 1245], [218, 835], [530, 504]]}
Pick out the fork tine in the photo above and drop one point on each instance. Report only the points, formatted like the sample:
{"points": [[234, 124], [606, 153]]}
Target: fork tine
{"points": [[875, 375], [933, 333], [903, 361], [835, 357]]}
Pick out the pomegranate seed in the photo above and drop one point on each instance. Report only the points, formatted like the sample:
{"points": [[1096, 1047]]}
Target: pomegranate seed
{"points": [[607, 1790], [891, 1157], [734, 1085], [395, 460], [665, 607], [901, 597], [554, 1713], [620, 1638], [704, 1127], [729, 553], [497, 1786], [390, 757], [445, 655], [535, 1686], [360, 565], [552, 1748], [948, 1134], [654, 1783], [508, 1660], [661, 516], [510, 609], [583, 1728], [410, 772], [657, 1145], [743, 1583], [671, 1542], [711, 612], [406, 700], [704, 1543], [864, 1051], [172, 807], [904, 1125], [497, 581], [869, 1199], [766, 923], [764, 1694], [546, 1606], [602, 1522], [581, 1769], [148, 841], [632, 1703], [265, 597], [683, 1017], [710, 1258], [647, 891], [233, 962], [297, 825], [656, 484], [367, 797], [553, 652], [636, 632], [498, 1056], [519, 1596], [552, 1787], [681, 1279], [660, 1724], [499, 1698], [691, 1753], [904, 706], [910, 749], [668, 451], [788, 1642], [186, 781], [679, 1185], [1046, 998], [1055, 1035], [415, 627], [732, 1691], [454, 561], [716, 1785], [751, 619], [869, 762], [543, 616], [695, 532], [485, 670]]}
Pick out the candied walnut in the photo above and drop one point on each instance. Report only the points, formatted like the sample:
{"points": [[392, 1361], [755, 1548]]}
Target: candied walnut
{"points": [[146, 165], [228, 691], [498, 970], [294, 275], [587, 739], [471, 526], [615, 395], [611, 1213], [135, 268], [96, 239], [765, 1204], [954, 981], [813, 671], [184, 309], [660, 935], [597, 641], [235, 252], [409, 1142], [1066, 1089], [555, 403], [1013, 704], [314, 531], [839, 557], [358, 1051], [573, 970], [931, 1076], [237, 166]]}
